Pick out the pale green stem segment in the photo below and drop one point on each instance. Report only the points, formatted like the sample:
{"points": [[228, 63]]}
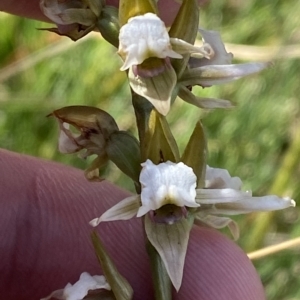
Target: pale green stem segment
{"points": [[153, 129], [119, 285], [161, 280], [156, 140], [142, 109], [262, 222]]}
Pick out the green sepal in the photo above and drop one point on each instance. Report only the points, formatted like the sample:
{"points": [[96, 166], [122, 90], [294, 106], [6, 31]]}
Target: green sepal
{"points": [[87, 118], [132, 8], [185, 27], [171, 242], [160, 277], [123, 149], [207, 103], [142, 109], [157, 89], [119, 285], [159, 144], [108, 25], [195, 154], [73, 34], [96, 6]]}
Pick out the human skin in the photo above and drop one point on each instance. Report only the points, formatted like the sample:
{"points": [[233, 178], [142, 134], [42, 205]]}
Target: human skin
{"points": [[30, 8], [44, 232], [45, 210]]}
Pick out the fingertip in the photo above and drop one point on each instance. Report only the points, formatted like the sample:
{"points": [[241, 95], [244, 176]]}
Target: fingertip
{"points": [[216, 268]]}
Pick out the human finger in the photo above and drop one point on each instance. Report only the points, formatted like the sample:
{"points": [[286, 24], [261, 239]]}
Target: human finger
{"points": [[31, 9], [45, 212]]}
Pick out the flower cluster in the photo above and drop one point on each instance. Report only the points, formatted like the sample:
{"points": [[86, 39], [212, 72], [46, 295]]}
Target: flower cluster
{"points": [[173, 191]]}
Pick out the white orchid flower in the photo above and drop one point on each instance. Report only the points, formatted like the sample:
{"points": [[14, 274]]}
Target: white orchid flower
{"points": [[81, 288], [163, 184], [171, 183], [143, 37], [146, 48]]}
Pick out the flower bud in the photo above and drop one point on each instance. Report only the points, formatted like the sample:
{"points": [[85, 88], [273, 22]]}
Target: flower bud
{"points": [[123, 149], [80, 16], [94, 127], [108, 25]]}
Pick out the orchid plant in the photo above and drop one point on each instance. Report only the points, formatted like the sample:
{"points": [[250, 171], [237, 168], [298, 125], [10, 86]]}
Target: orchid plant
{"points": [[173, 191]]}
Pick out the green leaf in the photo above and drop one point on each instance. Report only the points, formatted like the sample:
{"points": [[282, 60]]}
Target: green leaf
{"points": [[185, 27], [119, 285], [159, 143], [171, 242], [195, 154]]}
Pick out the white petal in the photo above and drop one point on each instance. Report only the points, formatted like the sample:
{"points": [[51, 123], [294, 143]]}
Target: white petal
{"points": [[143, 210], [58, 294], [80, 289], [213, 176], [123, 210], [66, 141], [220, 222], [143, 37], [215, 196], [219, 74], [167, 183], [183, 47], [130, 60], [221, 57], [247, 205]]}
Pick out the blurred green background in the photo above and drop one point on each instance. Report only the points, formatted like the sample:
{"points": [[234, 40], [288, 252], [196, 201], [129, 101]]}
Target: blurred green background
{"points": [[258, 141]]}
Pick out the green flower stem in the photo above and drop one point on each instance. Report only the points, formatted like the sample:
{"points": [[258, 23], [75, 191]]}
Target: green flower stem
{"points": [[262, 222], [161, 280], [142, 108]]}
